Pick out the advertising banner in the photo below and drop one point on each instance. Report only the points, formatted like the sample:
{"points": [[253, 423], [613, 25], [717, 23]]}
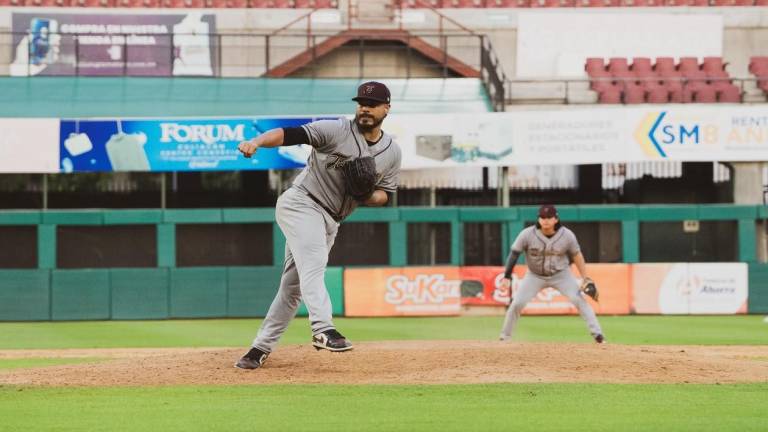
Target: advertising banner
{"points": [[173, 145], [583, 136], [113, 44], [690, 288], [613, 282], [402, 291], [420, 291], [29, 145]]}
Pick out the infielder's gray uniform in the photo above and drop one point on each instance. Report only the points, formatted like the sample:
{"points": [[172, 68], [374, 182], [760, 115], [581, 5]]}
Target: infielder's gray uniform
{"points": [[549, 260], [309, 214]]}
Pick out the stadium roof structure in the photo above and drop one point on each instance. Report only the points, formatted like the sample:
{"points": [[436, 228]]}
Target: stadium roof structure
{"points": [[68, 97]]}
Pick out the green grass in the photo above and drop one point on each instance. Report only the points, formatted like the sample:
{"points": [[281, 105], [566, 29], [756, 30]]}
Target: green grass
{"points": [[676, 330], [43, 361], [502, 407], [497, 407]]}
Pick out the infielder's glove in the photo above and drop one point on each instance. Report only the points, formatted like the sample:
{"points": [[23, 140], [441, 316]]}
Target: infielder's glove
{"points": [[360, 177], [589, 288]]}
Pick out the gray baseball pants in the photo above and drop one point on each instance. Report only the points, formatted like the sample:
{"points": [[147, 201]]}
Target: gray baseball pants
{"points": [[309, 233], [563, 281]]}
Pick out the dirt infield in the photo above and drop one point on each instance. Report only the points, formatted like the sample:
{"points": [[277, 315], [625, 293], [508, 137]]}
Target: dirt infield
{"points": [[411, 362]]}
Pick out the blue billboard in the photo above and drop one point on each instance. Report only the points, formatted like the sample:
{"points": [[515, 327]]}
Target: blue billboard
{"points": [[173, 145]]}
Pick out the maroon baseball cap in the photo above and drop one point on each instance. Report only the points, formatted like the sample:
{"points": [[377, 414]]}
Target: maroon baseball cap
{"points": [[372, 91], [548, 211]]}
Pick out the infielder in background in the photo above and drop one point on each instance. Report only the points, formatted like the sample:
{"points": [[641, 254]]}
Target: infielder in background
{"points": [[353, 162], [549, 249]]}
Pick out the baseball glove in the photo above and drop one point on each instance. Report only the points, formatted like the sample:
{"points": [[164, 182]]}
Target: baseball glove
{"points": [[360, 177], [589, 288]]}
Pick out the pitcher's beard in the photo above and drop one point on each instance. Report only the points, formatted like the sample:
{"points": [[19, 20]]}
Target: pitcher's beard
{"points": [[368, 127]]}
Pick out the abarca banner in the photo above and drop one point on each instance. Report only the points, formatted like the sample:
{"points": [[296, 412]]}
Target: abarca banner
{"points": [[173, 145], [690, 288], [113, 44]]}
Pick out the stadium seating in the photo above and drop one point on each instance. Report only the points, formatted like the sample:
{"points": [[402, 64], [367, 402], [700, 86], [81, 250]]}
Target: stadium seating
{"points": [[688, 81], [759, 67], [402, 3]]}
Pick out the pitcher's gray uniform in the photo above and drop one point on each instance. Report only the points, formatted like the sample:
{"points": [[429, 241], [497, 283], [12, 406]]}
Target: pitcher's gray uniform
{"points": [[351, 160], [548, 260], [309, 214]]}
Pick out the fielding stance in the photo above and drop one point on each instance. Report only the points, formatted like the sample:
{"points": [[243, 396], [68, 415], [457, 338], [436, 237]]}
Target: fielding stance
{"points": [[352, 162], [549, 249]]}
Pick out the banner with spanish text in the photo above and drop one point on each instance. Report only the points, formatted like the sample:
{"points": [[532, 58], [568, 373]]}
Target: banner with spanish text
{"points": [[613, 281], [402, 291], [690, 288], [134, 44]]}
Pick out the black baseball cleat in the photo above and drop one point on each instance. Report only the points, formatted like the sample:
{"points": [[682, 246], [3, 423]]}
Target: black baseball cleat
{"points": [[331, 340], [599, 338], [252, 360]]}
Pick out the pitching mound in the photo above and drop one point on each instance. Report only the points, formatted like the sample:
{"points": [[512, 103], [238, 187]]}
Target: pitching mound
{"points": [[411, 362]]}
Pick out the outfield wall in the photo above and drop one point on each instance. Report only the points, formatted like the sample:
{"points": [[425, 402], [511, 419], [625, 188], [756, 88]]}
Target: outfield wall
{"points": [[58, 281]]}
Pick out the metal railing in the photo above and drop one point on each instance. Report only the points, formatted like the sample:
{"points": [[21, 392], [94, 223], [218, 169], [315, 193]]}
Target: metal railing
{"points": [[567, 90]]}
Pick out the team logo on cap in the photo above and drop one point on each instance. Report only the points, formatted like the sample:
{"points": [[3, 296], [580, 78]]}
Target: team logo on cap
{"points": [[369, 89]]}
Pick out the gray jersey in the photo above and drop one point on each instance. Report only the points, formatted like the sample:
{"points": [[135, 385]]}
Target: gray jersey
{"points": [[544, 255], [336, 142]]}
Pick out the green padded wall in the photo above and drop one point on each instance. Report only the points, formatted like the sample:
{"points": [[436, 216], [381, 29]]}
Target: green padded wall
{"points": [[251, 290], [758, 288], [334, 282], [24, 295], [139, 293], [80, 295], [143, 97], [198, 292]]}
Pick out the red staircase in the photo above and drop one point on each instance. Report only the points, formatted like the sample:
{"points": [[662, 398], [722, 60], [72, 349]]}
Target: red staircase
{"points": [[313, 53]]}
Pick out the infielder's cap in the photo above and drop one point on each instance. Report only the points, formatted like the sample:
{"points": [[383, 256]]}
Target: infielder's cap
{"points": [[373, 91], [548, 211]]}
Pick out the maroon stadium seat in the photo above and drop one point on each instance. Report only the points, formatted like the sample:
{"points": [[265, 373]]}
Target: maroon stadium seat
{"points": [[705, 94], [758, 63], [601, 82], [730, 94], [670, 77], [713, 64], [594, 63], [688, 64], [609, 96], [137, 3], [643, 3], [551, 3], [506, 3], [97, 3], [48, 3], [642, 65], [695, 76], [658, 95], [634, 95], [664, 64], [676, 95], [628, 83], [618, 65], [192, 4], [732, 2]]}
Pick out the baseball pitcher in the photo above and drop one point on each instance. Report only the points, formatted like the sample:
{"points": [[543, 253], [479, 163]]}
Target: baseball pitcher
{"points": [[353, 162], [549, 248]]}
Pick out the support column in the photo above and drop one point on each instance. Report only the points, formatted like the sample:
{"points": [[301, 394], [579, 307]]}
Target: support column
{"points": [[748, 189]]}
